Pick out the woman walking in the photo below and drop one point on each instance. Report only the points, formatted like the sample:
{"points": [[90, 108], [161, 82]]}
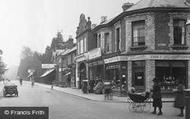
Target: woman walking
{"points": [[179, 99], [157, 98]]}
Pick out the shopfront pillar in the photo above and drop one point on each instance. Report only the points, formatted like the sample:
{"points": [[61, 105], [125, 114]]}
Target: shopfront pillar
{"points": [[77, 76], [129, 76], [87, 73], [188, 74], [149, 74]]}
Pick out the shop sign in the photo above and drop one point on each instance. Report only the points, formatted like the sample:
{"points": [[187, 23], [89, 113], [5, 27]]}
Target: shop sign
{"points": [[170, 57], [95, 63], [81, 57], [115, 59], [138, 57], [94, 53], [48, 66], [159, 57], [116, 66]]}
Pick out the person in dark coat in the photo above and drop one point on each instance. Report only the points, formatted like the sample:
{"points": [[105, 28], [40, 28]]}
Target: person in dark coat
{"points": [[157, 97], [180, 99]]}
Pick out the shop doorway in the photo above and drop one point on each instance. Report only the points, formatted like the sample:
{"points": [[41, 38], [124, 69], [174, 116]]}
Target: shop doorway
{"points": [[82, 74], [138, 75]]}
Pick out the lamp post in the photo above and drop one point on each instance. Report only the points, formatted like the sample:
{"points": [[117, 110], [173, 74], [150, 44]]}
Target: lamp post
{"points": [[187, 91]]}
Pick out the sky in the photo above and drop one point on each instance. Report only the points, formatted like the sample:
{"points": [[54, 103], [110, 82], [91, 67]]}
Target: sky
{"points": [[33, 23]]}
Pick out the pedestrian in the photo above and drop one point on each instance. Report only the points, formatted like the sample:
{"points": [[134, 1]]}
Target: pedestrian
{"points": [[157, 97], [21, 81], [107, 90], [179, 98]]}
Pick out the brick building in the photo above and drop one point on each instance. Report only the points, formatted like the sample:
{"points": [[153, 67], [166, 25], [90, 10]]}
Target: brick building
{"points": [[149, 39], [85, 42]]}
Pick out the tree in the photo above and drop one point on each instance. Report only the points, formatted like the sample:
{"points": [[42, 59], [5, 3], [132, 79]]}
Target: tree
{"points": [[26, 52], [3, 66], [29, 60]]}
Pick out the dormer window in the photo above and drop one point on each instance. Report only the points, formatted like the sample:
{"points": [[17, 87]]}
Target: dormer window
{"points": [[138, 33], [179, 31]]}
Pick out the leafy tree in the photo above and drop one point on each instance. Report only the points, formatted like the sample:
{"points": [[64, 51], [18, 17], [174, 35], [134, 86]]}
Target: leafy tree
{"points": [[29, 60], [26, 52]]}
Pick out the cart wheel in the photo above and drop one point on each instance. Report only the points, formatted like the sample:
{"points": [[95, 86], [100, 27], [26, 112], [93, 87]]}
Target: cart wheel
{"points": [[130, 106], [147, 106]]}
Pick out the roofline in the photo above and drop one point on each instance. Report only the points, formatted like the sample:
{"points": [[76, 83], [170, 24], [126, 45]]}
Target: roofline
{"points": [[144, 10], [83, 32]]}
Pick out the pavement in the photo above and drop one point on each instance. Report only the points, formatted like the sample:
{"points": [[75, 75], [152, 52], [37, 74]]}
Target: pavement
{"points": [[92, 96]]}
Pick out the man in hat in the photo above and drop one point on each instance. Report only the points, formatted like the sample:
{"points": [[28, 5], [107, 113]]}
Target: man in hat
{"points": [[157, 97]]}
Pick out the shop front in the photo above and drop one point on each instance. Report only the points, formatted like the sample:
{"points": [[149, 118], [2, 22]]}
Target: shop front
{"points": [[81, 69], [169, 69], [116, 73], [95, 68], [170, 73], [138, 75], [96, 73]]}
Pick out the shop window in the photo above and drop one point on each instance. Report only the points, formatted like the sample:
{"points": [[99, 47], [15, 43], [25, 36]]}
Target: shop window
{"points": [[138, 33], [138, 76], [179, 31], [170, 72]]}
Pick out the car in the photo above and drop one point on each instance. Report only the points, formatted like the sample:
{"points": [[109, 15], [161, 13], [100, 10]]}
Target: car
{"points": [[10, 89]]}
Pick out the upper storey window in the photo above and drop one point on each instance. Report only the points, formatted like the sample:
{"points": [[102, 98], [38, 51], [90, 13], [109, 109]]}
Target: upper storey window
{"points": [[99, 40], [179, 31], [117, 36], [138, 33], [82, 46], [107, 42]]}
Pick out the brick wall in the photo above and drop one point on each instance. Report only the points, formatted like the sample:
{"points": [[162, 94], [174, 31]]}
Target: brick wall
{"points": [[188, 78], [149, 74], [149, 30], [123, 36], [162, 37], [129, 75], [170, 24]]}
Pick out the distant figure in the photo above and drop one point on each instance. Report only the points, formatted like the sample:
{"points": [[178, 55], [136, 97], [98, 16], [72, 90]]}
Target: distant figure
{"points": [[180, 99], [157, 97], [108, 95], [32, 81], [21, 81]]}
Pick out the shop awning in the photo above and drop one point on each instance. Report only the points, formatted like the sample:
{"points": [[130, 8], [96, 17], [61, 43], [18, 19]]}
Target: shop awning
{"points": [[47, 72], [30, 74], [67, 73]]}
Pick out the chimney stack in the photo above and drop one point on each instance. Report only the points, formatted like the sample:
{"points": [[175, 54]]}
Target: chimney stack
{"points": [[126, 6], [103, 19], [93, 26]]}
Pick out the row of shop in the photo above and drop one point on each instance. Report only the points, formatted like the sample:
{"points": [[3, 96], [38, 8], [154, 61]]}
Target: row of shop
{"points": [[136, 71]]}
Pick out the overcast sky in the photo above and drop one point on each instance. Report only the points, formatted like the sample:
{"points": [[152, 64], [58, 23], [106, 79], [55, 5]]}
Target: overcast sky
{"points": [[34, 23]]}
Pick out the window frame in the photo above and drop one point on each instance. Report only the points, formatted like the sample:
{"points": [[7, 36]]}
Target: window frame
{"points": [[183, 33], [134, 23]]}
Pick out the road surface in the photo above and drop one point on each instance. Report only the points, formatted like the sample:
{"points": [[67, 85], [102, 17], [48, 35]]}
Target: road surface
{"points": [[66, 106]]}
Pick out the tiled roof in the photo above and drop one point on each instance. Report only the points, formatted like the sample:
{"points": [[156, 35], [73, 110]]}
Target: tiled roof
{"points": [[159, 3], [143, 4]]}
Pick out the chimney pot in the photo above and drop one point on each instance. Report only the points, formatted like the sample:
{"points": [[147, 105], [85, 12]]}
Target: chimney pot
{"points": [[126, 6]]}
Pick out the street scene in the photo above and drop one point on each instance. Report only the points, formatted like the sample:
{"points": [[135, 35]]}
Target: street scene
{"points": [[79, 59], [68, 106]]}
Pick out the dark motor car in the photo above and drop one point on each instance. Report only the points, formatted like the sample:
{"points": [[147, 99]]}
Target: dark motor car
{"points": [[10, 89]]}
